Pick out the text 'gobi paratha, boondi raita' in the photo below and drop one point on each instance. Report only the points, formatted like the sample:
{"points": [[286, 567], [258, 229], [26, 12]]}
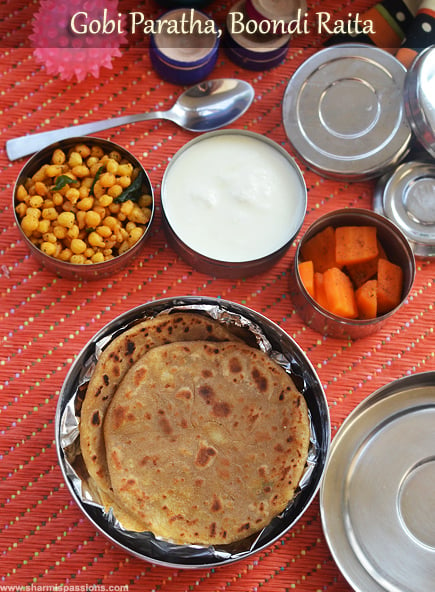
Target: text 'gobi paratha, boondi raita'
{"points": [[205, 442]]}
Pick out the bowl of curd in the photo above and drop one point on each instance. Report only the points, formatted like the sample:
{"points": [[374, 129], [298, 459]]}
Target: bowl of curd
{"points": [[232, 203]]}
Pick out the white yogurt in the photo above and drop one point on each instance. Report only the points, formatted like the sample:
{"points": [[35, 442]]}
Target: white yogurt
{"points": [[233, 197]]}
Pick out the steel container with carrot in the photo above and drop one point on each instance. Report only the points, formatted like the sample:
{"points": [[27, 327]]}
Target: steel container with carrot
{"points": [[353, 269]]}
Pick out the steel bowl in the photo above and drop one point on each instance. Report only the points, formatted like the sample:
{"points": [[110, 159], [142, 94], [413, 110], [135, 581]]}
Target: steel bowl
{"points": [[252, 325], [398, 251], [66, 269], [201, 190]]}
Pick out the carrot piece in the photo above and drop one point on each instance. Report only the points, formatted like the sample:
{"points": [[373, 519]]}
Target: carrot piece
{"points": [[390, 285], [319, 289], [306, 271], [381, 250], [355, 244], [340, 293], [320, 249], [366, 300], [360, 273]]}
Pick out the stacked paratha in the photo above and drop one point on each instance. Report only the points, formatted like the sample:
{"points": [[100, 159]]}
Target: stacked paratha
{"points": [[191, 434], [114, 362]]}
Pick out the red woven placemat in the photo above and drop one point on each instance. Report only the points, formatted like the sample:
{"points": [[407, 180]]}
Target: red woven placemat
{"points": [[45, 540]]}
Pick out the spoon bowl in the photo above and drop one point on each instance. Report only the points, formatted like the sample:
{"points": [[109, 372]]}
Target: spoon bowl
{"points": [[207, 106], [210, 105]]}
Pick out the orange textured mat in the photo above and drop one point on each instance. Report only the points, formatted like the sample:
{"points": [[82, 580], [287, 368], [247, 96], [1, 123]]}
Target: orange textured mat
{"points": [[45, 321]]}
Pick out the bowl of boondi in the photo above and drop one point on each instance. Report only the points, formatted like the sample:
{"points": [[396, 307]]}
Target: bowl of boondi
{"points": [[84, 207]]}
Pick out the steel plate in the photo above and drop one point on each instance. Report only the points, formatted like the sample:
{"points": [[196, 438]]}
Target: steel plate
{"points": [[378, 495]]}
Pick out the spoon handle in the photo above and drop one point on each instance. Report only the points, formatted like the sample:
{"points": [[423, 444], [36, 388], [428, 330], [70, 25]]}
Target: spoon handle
{"points": [[25, 145]]}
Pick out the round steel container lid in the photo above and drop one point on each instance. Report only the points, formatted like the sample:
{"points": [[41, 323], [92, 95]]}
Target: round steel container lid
{"points": [[420, 98], [343, 112], [376, 501], [407, 198]]}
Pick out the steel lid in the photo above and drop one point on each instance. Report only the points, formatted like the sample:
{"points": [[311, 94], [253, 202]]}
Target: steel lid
{"points": [[343, 112], [407, 198], [376, 499], [419, 93]]}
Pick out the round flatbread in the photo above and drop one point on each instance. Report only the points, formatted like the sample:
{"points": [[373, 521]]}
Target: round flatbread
{"points": [[114, 362], [205, 442]]}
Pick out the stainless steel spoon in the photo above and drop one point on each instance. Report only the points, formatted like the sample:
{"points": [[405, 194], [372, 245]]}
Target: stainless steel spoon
{"points": [[204, 107]]}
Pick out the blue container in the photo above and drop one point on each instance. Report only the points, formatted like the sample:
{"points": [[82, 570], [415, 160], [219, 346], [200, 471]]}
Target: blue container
{"points": [[185, 50], [247, 45], [282, 11]]}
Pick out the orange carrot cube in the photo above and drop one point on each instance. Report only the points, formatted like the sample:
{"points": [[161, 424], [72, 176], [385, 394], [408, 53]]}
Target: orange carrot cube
{"points": [[390, 285], [320, 249], [319, 289], [340, 293], [355, 244], [366, 300], [306, 272], [360, 273]]}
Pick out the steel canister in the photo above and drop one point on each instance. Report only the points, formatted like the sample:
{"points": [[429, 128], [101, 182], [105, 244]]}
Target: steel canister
{"points": [[419, 95], [343, 112], [406, 197]]}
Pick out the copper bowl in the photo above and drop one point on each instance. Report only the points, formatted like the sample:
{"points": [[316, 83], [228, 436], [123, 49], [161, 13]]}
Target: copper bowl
{"points": [[72, 270], [398, 251]]}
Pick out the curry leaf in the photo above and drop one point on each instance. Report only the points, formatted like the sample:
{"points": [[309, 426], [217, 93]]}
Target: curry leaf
{"points": [[133, 191], [97, 176], [63, 180]]}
